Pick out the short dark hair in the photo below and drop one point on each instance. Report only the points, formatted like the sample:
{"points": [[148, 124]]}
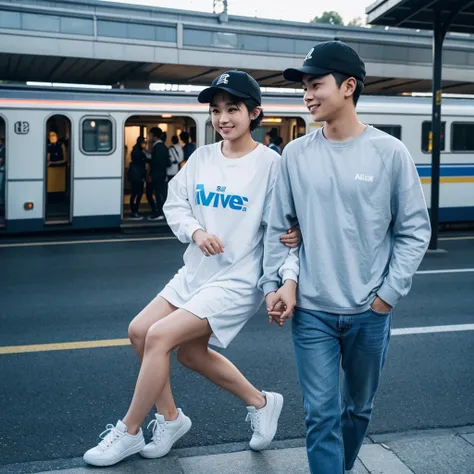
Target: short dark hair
{"points": [[340, 78], [277, 141], [156, 132], [184, 137], [272, 133], [174, 140], [251, 105]]}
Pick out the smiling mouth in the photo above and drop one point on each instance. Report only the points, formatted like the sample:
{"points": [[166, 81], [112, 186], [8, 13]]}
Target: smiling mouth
{"points": [[313, 108], [226, 129]]}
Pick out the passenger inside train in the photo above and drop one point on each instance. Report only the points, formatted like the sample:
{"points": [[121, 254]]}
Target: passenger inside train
{"points": [[172, 129], [57, 162]]}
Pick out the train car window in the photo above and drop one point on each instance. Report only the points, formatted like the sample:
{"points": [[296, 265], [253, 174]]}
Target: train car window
{"points": [[394, 130], [462, 136], [97, 135], [427, 136]]}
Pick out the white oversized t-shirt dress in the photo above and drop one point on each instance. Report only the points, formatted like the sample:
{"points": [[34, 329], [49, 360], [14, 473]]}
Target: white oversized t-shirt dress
{"points": [[227, 197]]}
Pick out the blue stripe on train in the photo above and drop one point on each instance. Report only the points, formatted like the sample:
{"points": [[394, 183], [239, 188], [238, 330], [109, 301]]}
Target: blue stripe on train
{"points": [[424, 171], [456, 214]]}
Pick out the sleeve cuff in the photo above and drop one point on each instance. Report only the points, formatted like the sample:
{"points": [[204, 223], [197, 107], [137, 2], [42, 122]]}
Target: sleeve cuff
{"points": [[191, 229], [289, 275], [388, 294], [269, 286]]}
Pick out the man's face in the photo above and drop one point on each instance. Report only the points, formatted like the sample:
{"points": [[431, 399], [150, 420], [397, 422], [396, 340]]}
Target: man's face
{"points": [[323, 97]]}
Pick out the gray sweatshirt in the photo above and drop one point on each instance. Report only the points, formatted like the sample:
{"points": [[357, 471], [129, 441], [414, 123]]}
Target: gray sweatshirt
{"points": [[363, 219]]}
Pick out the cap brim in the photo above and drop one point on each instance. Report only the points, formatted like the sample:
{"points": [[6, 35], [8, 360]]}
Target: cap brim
{"points": [[206, 96], [296, 75]]}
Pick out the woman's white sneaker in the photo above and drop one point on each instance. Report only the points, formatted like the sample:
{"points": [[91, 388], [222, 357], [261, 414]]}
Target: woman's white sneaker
{"points": [[264, 421], [116, 445], [165, 434]]}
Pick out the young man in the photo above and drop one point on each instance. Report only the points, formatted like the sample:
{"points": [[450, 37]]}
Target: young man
{"points": [[358, 199]]}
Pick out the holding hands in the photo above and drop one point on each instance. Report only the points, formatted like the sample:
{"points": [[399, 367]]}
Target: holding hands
{"points": [[280, 304]]}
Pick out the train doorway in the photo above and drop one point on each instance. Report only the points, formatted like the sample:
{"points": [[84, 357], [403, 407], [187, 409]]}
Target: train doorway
{"points": [[3, 171], [140, 202], [58, 166]]}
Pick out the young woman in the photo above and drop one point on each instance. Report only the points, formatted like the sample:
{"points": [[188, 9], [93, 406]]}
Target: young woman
{"points": [[219, 203]]}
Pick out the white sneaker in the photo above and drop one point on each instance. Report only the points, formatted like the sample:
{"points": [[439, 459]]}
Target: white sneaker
{"points": [[165, 434], [264, 421], [116, 445]]}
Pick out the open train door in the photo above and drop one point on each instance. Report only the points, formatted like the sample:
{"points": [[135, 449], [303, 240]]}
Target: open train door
{"points": [[58, 161]]}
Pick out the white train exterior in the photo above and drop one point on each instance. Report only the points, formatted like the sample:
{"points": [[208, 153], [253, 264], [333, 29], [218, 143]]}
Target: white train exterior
{"points": [[96, 169]]}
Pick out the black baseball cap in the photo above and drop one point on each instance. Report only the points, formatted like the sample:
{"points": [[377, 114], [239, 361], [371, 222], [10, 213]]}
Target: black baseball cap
{"points": [[237, 83], [326, 58]]}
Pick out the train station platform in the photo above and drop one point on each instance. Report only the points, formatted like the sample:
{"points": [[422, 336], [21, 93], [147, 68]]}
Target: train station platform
{"points": [[68, 368], [96, 42]]}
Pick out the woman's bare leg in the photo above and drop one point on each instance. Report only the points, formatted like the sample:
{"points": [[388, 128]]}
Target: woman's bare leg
{"points": [[197, 356], [158, 309], [161, 339]]}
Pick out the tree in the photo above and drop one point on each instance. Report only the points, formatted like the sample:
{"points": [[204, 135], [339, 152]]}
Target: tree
{"points": [[331, 17], [358, 21]]}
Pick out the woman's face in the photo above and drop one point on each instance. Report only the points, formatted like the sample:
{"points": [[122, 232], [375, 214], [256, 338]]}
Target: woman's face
{"points": [[231, 121], [53, 138]]}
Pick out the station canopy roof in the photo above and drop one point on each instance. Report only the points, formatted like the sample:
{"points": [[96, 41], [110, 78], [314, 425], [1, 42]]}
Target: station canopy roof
{"points": [[420, 14]]}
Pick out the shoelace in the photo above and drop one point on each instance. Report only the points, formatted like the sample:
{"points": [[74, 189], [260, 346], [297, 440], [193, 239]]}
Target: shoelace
{"points": [[109, 436], [254, 420], [157, 429]]}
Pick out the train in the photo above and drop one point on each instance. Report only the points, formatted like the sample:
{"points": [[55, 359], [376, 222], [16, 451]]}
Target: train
{"points": [[96, 130]]}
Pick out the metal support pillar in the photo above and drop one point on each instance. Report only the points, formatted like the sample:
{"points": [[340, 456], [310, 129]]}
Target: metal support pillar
{"points": [[440, 30]]}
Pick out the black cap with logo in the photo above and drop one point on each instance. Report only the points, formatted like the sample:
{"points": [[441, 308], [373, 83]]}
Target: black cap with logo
{"points": [[237, 83], [326, 58]]}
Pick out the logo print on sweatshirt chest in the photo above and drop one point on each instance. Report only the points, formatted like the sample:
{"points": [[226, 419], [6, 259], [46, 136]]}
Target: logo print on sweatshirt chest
{"points": [[364, 177], [220, 199]]}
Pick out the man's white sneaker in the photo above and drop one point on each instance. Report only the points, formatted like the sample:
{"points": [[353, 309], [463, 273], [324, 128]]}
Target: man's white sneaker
{"points": [[264, 421], [116, 445], [165, 434]]}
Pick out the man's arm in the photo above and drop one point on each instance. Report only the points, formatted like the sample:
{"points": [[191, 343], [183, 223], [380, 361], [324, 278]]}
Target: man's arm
{"points": [[411, 229], [281, 217]]}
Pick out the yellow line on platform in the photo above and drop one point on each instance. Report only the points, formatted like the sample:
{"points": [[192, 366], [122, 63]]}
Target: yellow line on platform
{"points": [[64, 346], [126, 342]]}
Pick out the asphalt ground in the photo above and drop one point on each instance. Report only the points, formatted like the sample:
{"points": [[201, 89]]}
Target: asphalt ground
{"points": [[53, 404]]}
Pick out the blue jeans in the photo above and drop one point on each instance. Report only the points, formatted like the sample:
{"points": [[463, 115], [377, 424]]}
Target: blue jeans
{"points": [[323, 342]]}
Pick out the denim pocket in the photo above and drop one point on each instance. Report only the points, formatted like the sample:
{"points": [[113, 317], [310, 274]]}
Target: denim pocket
{"points": [[379, 314]]}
